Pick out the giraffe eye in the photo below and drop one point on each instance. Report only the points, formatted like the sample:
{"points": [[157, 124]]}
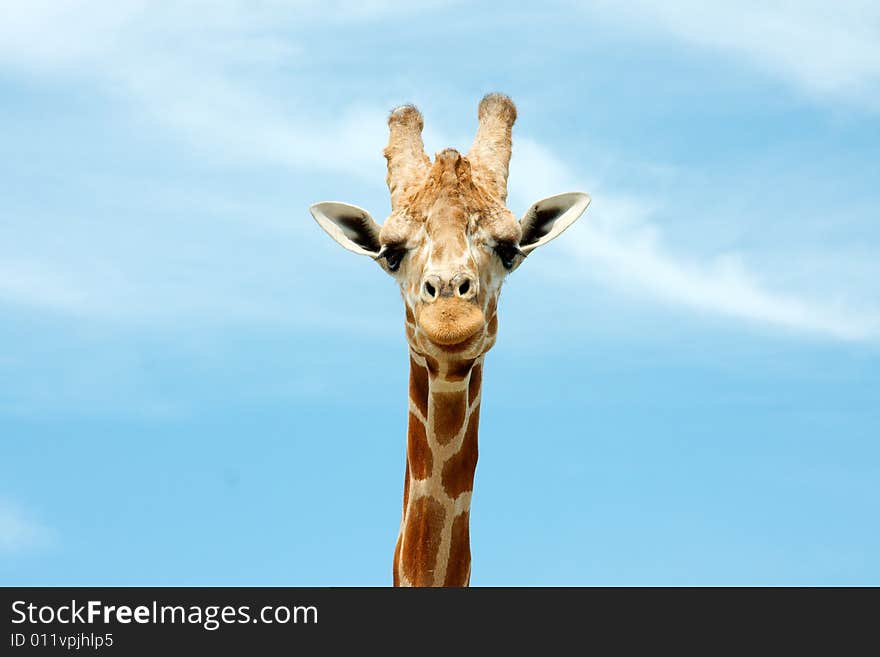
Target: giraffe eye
{"points": [[507, 252], [393, 256]]}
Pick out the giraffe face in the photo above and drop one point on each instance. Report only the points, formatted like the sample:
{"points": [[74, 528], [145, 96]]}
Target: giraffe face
{"points": [[449, 248], [450, 240]]}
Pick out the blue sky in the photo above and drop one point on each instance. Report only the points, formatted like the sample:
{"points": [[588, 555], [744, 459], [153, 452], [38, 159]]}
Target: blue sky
{"points": [[197, 386]]}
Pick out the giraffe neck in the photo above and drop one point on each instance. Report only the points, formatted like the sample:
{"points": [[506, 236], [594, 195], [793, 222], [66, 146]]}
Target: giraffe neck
{"points": [[433, 547]]}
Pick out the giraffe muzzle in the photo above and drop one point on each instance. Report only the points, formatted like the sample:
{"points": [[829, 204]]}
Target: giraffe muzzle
{"points": [[450, 320]]}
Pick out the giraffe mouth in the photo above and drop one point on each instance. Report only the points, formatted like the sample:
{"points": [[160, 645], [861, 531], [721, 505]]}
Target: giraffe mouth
{"points": [[450, 321]]}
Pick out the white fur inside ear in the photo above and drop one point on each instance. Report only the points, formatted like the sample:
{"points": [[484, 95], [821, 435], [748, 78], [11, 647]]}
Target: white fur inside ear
{"points": [[351, 226], [547, 218]]}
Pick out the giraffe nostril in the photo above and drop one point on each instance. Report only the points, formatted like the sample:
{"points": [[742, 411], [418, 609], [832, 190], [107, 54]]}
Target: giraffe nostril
{"points": [[464, 287], [430, 289]]}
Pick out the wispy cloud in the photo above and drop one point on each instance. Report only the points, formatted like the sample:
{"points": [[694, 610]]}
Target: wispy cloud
{"points": [[195, 70], [618, 243], [19, 532], [826, 49], [190, 67], [30, 285]]}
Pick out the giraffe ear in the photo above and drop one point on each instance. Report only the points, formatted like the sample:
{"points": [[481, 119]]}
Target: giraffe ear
{"points": [[351, 226], [547, 218]]}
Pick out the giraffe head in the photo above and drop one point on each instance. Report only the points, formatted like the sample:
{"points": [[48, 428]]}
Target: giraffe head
{"points": [[450, 239]]}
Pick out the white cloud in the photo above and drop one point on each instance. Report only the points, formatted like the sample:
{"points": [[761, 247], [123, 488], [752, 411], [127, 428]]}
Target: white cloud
{"points": [[19, 532], [825, 48], [617, 243], [194, 69], [28, 284], [189, 66]]}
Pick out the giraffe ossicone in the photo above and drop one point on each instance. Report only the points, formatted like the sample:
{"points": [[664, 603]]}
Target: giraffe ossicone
{"points": [[449, 242]]}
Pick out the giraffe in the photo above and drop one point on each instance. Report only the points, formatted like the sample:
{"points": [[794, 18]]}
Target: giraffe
{"points": [[449, 242]]}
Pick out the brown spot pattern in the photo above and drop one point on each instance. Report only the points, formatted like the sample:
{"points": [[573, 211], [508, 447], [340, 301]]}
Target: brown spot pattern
{"points": [[406, 485], [418, 453], [458, 567], [449, 412], [409, 314], [418, 386], [475, 383], [493, 325], [457, 370], [421, 540], [433, 365], [458, 471]]}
